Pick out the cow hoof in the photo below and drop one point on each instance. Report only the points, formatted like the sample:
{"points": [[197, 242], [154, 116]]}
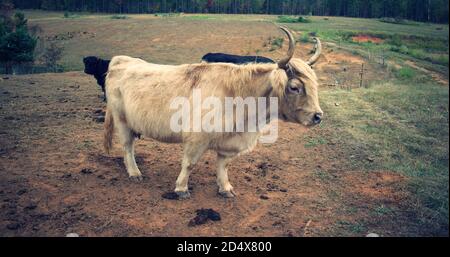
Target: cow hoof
{"points": [[227, 194], [136, 179], [183, 195]]}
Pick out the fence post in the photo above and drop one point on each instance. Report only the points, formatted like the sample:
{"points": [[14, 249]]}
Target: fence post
{"points": [[361, 73]]}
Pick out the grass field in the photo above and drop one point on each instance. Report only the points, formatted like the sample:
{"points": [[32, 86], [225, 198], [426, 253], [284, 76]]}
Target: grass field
{"points": [[383, 148]]}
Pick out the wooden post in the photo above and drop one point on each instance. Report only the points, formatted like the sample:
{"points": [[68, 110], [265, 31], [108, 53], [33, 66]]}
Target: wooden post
{"points": [[361, 73]]}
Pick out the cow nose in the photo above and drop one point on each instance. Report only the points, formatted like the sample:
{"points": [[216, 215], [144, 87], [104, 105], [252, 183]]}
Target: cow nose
{"points": [[317, 118]]}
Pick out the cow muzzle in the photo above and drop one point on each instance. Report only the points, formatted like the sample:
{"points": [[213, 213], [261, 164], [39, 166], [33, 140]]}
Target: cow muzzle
{"points": [[317, 118]]}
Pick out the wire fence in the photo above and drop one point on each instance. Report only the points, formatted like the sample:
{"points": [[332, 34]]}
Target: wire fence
{"points": [[374, 66]]}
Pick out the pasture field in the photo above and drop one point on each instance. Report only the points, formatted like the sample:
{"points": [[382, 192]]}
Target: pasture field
{"points": [[377, 164]]}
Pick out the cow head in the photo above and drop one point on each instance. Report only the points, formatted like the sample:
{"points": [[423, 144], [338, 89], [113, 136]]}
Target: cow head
{"points": [[299, 102], [90, 65]]}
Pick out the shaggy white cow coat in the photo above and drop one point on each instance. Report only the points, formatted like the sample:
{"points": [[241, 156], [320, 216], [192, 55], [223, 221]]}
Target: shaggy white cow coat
{"points": [[139, 96]]}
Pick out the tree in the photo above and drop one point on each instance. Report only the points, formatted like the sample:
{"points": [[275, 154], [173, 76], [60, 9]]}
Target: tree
{"points": [[6, 10], [19, 21], [52, 55], [420, 10], [16, 45]]}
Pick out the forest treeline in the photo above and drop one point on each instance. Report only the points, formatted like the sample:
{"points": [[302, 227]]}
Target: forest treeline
{"points": [[419, 10]]}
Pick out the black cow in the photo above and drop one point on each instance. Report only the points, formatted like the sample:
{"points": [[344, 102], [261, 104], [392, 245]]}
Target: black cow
{"points": [[236, 59], [98, 68]]}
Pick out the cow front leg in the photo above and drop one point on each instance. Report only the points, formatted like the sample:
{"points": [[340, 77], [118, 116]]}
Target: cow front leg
{"points": [[182, 188], [192, 152], [225, 188]]}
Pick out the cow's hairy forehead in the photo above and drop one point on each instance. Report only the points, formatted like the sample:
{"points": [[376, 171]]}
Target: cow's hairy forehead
{"points": [[305, 74]]}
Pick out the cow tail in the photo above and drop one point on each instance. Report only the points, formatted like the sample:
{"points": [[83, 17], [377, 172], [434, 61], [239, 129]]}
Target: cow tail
{"points": [[108, 132]]}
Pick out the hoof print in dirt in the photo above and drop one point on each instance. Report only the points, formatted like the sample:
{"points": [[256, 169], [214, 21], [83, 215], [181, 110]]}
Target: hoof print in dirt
{"points": [[30, 207], [21, 191], [87, 171], [203, 215], [65, 176], [99, 112], [264, 197], [13, 226], [264, 168]]}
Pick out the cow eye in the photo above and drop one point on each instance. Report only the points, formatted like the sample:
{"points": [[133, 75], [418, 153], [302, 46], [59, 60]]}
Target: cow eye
{"points": [[295, 90]]}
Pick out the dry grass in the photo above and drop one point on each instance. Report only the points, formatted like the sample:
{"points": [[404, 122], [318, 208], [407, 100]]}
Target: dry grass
{"points": [[399, 126]]}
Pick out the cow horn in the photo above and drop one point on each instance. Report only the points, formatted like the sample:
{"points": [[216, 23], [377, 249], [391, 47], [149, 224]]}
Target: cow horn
{"points": [[282, 64], [317, 53]]}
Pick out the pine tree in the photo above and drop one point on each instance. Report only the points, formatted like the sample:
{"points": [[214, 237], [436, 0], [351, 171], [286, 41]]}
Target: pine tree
{"points": [[16, 44]]}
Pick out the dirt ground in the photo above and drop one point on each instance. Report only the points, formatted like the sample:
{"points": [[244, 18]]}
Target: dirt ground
{"points": [[186, 41]]}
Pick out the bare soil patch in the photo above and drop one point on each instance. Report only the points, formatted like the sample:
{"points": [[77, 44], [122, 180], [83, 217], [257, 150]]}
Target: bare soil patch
{"points": [[438, 77], [367, 39]]}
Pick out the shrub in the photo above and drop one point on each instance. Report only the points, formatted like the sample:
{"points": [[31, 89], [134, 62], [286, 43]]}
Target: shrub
{"points": [[406, 73], [442, 59], [400, 49], [292, 19], [302, 19], [276, 43], [165, 15], [395, 40], [304, 38], [52, 55], [346, 36], [68, 15], [419, 54], [393, 20]]}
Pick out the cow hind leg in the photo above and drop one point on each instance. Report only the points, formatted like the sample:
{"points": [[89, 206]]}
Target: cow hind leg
{"points": [[192, 153], [126, 137], [225, 188]]}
